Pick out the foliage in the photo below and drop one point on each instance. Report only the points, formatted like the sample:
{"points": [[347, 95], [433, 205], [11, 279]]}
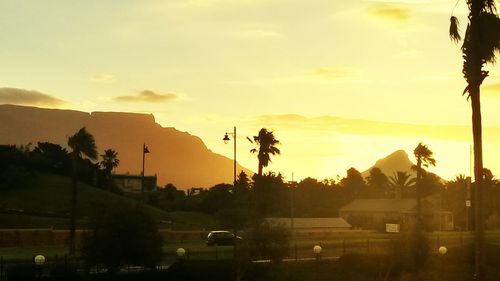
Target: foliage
{"points": [[401, 183], [353, 183], [124, 235], [378, 183], [267, 241], [266, 146]]}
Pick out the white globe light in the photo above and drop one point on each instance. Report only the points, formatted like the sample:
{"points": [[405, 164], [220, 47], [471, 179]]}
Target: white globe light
{"points": [[39, 260], [317, 249], [181, 252], [442, 250]]}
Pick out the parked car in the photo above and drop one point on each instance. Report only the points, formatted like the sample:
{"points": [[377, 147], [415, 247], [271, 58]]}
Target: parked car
{"points": [[222, 237]]}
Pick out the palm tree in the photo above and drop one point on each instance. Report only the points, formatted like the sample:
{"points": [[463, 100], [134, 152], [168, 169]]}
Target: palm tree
{"points": [[266, 146], [400, 181], [82, 144], [480, 44], [109, 161], [423, 155]]}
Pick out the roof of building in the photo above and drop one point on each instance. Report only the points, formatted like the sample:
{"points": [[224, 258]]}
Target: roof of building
{"points": [[380, 205], [403, 205], [311, 222]]}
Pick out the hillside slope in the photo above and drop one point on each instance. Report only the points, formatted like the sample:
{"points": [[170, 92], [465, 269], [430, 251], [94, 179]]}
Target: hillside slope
{"points": [[44, 202], [176, 157]]}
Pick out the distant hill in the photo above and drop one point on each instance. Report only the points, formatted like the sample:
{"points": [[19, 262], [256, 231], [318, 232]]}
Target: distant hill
{"points": [[176, 157], [396, 161]]}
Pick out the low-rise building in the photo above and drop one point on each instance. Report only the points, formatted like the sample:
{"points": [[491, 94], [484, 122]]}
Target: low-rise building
{"points": [[312, 225], [133, 183], [376, 213]]}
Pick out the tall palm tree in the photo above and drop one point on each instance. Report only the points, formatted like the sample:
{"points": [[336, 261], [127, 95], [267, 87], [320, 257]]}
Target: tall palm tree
{"points": [[423, 155], [266, 146], [82, 144], [480, 44], [400, 181], [109, 161]]}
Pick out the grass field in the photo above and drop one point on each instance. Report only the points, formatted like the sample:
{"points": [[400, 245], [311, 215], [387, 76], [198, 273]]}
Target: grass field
{"points": [[44, 203]]}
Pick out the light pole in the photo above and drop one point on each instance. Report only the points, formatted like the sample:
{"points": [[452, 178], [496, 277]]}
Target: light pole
{"points": [[226, 139], [442, 252], [144, 151], [39, 261]]}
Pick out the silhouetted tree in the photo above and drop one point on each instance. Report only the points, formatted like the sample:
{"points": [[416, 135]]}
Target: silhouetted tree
{"points": [[400, 183], [82, 144], [377, 182], [454, 199], [423, 155], [120, 236], [266, 146], [242, 183], [109, 161], [52, 157], [481, 42], [353, 183]]}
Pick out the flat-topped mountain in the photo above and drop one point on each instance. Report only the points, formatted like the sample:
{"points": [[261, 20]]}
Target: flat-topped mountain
{"points": [[176, 157]]}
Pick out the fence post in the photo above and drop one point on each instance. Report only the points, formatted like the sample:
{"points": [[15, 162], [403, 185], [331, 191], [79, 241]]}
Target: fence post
{"points": [[343, 246], [296, 255]]}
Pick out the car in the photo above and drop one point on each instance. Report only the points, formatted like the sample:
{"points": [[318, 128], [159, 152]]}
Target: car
{"points": [[222, 238]]}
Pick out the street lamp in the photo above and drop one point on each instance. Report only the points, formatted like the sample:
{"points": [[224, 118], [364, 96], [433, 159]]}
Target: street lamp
{"points": [[442, 252], [144, 151], [180, 253], [317, 252], [39, 261], [226, 139]]}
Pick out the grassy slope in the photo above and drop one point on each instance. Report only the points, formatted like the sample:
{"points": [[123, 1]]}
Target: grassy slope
{"points": [[44, 202]]}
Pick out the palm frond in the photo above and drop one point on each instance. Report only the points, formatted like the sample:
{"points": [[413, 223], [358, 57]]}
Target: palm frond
{"points": [[490, 36], [454, 30]]}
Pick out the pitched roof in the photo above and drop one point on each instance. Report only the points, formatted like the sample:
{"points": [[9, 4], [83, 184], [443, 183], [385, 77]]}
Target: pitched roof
{"points": [[381, 205], [311, 222]]}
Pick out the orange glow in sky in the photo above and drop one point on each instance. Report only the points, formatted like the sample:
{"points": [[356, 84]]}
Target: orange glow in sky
{"points": [[342, 83]]}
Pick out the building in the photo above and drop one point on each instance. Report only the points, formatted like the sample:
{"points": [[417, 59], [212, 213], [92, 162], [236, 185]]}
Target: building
{"points": [[312, 225], [133, 183], [376, 213]]}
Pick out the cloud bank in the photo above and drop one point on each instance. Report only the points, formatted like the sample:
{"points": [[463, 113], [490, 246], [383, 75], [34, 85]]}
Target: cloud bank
{"points": [[27, 97], [390, 12], [337, 125], [147, 96]]}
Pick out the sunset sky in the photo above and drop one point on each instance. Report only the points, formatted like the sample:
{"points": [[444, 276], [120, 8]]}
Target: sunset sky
{"points": [[342, 83]]}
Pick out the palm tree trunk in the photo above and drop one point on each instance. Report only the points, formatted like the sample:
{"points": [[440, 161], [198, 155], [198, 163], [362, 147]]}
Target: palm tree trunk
{"points": [[419, 193], [478, 175], [260, 169], [476, 64], [73, 202]]}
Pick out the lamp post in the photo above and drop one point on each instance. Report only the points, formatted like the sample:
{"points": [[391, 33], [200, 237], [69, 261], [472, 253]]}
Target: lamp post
{"points": [[317, 252], [144, 151], [226, 139], [442, 252], [39, 261]]}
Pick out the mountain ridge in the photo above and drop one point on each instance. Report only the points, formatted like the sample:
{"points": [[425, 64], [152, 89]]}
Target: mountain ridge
{"points": [[175, 157]]}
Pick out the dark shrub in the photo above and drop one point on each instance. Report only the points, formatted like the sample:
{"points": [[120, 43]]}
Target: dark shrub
{"points": [[121, 236]]}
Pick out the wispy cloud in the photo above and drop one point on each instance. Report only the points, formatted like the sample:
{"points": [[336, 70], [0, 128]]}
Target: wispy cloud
{"points": [[332, 124], [392, 12], [148, 96], [331, 73], [259, 34], [103, 78], [27, 97], [492, 89]]}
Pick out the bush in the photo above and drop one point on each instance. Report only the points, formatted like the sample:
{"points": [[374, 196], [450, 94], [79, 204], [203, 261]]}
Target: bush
{"points": [[268, 241], [127, 235]]}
